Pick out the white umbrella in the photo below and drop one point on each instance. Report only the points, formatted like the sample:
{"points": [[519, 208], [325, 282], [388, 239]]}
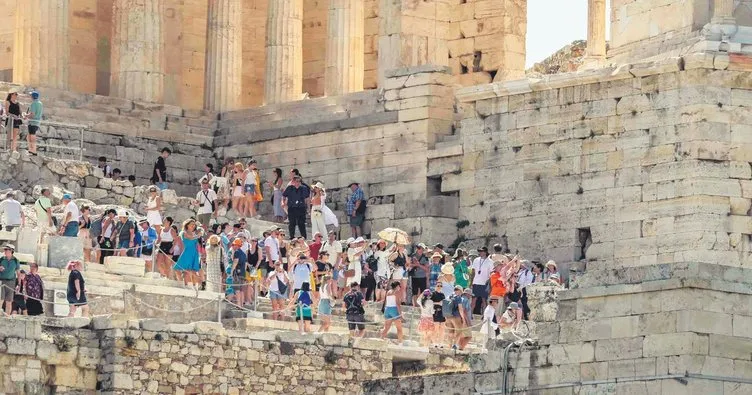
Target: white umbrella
{"points": [[395, 235]]}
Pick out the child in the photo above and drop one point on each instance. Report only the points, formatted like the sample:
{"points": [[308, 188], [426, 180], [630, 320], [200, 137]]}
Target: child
{"points": [[426, 324], [302, 302]]}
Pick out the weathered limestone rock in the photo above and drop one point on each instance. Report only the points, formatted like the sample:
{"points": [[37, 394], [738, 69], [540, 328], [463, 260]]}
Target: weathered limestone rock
{"points": [[224, 55], [42, 47], [125, 265], [63, 249], [138, 50], [344, 51], [284, 51], [543, 302]]}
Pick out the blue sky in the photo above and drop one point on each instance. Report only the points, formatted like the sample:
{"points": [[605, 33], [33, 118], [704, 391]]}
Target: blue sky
{"points": [[552, 24]]}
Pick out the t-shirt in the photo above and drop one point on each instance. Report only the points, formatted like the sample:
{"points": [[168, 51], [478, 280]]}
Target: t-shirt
{"points": [[354, 303], [314, 249], [124, 229], [437, 296], [273, 245], [11, 267], [382, 263], [273, 277], [334, 249], [508, 317], [73, 210], [11, 210], [205, 199], [296, 196], [242, 260], [160, 169], [482, 269], [41, 206], [323, 267], [301, 274], [75, 275], [36, 112], [468, 308], [418, 271]]}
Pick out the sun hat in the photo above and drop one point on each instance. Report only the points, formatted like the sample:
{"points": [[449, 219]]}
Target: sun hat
{"points": [[483, 249], [552, 263], [427, 292], [122, 213], [213, 240], [458, 288], [421, 245], [513, 306], [555, 276], [468, 291], [153, 188], [9, 247], [350, 241], [318, 185], [436, 255], [359, 240], [447, 268]]}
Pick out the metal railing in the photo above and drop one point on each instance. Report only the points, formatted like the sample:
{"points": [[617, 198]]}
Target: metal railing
{"points": [[6, 131]]}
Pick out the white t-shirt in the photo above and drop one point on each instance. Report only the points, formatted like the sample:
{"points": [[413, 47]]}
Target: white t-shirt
{"points": [[508, 317], [382, 263], [273, 245], [301, 274], [488, 316], [334, 249], [273, 277], [482, 269], [73, 210], [426, 310], [205, 206], [11, 210]]}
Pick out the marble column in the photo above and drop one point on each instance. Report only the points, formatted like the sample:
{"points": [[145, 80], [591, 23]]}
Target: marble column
{"points": [[345, 66], [723, 12], [138, 50], [596, 35], [224, 55], [284, 51], [42, 43]]}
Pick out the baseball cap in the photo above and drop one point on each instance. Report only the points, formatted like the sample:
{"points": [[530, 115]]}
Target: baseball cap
{"points": [[67, 196]]}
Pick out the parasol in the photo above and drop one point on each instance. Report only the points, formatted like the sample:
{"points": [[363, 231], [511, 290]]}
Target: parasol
{"points": [[395, 235]]}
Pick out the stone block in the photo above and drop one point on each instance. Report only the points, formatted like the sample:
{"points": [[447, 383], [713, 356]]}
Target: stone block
{"points": [[742, 326], [28, 241], [486, 362], [88, 358], [111, 321], [18, 346], [623, 348], [125, 266], [181, 328], [462, 383], [63, 249], [572, 353], [153, 324], [209, 328], [730, 347], [704, 322], [676, 344]]}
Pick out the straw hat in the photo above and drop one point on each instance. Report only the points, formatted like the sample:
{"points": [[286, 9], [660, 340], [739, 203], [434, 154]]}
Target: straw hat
{"points": [[437, 255], [213, 240], [552, 263], [447, 268]]}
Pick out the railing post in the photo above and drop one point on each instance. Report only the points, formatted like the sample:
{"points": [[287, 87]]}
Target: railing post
{"points": [[81, 152], [219, 309]]}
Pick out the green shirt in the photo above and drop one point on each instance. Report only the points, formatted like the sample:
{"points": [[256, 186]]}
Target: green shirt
{"points": [[11, 267], [41, 206], [36, 110], [460, 274]]}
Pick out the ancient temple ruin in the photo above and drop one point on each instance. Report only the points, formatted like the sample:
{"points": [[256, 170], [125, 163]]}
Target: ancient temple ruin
{"points": [[633, 172]]}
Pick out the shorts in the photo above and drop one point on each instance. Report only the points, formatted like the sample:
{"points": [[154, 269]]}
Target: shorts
{"points": [[357, 220], [426, 324], [274, 295], [237, 192], [248, 188], [124, 244], [78, 302], [165, 247], [238, 281], [161, 185], [438, 316], [398, 273], [325, 307], [146, 252], [356, 320], [391, 313], [71, 229], [17, 123], [204, 219], [303, 313], [33, 129], [418, 285], [454, 324], [480, 291], [8, 290]]}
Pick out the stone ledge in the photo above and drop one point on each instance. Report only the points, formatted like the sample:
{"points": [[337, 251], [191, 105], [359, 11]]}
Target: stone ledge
{"points": [[426, 68]]}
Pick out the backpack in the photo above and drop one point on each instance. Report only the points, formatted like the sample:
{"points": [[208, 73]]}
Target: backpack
{"points": [[362, 208], [96, 228]]}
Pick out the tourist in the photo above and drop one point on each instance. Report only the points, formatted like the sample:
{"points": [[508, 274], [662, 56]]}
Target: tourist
{"points": [[149, 237], [467, 324], [9, 267], [498, 288], [159, 174], [83, 231], [461, 274], [177, 248], [398, 261], [490, 322], [326, 287], [354, 270], [206, 200], [76, 294], [19, 297], [301, 272], [524, 278], [551, 269], [117, 174], [356, 209], [271, 247], [13, 109], [284, 249], [125, 231], [34, 291], [166, 241], [279, 212], [439, 320], [417, 272], [35, 119], [106, 168], [296, 198], [237, 181], [318, 222], [392, 312], [438, 248], [102, 230], [303, 302], [71, 214], [154, 208], [382, 275], [555, 279], [456, 319], [227, 168], [511, 317], [214, 259], [254, 275], [434, 270], [208, 174], [482, 267], [322, 268], [239, 267], [43, 208], [278, 283], [188, 264], [315, 247], [251, 189], [12, 212], [446, 277], [426, 325], [354, 311], [538, 272], [333, 247]]}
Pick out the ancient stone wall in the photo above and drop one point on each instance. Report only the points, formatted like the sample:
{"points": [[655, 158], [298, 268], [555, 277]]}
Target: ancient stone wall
{"points": [[638, 165], [121, 356]]}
